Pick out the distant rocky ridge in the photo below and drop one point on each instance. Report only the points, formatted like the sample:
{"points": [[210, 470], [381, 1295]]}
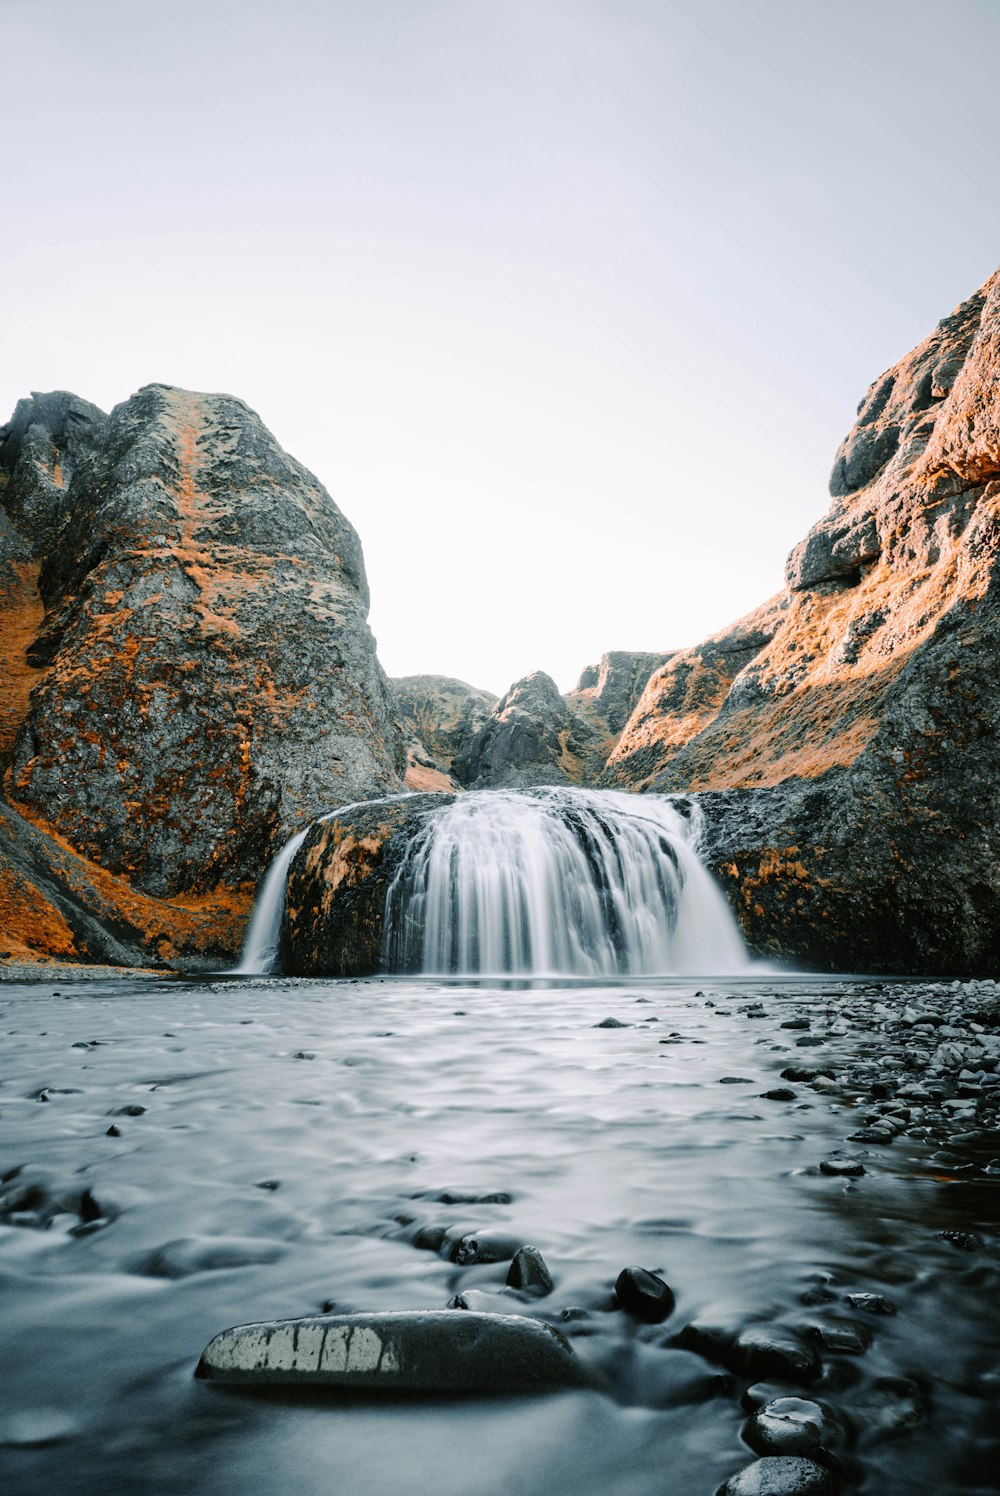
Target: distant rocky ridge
{"points": [[189, 675]]}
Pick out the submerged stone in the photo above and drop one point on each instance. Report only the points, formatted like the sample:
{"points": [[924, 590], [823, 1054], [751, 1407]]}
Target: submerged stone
{"points": [[779, 1475], [422, 1351]]}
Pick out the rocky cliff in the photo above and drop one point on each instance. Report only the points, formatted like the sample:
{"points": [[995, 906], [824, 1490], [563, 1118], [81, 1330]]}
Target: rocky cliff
{"points": [[853, 721], [190, 675]]}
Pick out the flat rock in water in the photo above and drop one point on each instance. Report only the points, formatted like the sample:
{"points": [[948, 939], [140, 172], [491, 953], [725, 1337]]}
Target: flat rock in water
{"points": [[846, 1168], [763, 1353], [779, 1475], [423, 1351]]}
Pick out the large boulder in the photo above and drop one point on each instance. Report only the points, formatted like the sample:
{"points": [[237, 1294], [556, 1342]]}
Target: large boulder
{"points": [[338, 881], [852, 721], [189, 610]]}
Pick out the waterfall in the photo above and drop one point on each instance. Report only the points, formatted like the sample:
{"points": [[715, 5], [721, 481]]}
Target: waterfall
{"points": [[553, 881], [260, 955]]}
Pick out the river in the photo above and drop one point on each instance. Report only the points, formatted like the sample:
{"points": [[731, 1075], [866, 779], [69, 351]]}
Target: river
{"points": [[295, 1138]]}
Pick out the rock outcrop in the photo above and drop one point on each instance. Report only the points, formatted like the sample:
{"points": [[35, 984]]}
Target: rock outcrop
{"points": [[338, 881], [440, 717], [191, 672], [853, 721], [536, 736]]}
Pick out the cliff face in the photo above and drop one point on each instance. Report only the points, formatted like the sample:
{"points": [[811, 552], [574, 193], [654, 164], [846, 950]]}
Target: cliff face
{"points": [[192, 675], [440, 717], [854, 719]]}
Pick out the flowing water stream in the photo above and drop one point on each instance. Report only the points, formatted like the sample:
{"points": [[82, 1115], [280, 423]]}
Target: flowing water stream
{"points": [[182, 1156]]}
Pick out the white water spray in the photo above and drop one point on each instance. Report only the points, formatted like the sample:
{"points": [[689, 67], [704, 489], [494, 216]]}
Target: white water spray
{"points": [[262, 947], [559, 882]]}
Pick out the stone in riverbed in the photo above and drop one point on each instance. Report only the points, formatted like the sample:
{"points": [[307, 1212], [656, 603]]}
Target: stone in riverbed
{"points": [[484, 1246], [205, 1254], [644, 1294], [791, 1425], [424, 1351], [870, 1303], [848, 1168], [771, 1353], [529, 1273], [779, 1475]]}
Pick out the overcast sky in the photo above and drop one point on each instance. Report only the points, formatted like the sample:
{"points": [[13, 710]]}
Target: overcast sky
{"points": [[567, 302]]}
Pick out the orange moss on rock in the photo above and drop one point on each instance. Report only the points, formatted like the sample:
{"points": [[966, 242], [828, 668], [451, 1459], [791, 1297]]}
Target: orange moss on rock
{"points": [[21, 614]]}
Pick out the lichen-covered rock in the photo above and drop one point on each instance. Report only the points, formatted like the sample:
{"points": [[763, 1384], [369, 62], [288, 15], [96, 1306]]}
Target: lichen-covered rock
{"points": [[190, 608], [613, 687], [349, 859], [849, 737]]}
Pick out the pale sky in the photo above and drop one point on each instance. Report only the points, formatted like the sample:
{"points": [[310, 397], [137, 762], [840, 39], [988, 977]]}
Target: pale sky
{"points": [[567, 302]]}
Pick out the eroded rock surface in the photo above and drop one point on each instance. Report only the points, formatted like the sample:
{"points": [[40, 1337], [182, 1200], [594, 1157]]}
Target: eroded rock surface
{"points": [[440, 717], [187, 609], [849, 728]]}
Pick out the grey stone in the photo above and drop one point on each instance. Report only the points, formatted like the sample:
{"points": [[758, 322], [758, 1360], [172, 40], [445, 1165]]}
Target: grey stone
{"points": [[780, 1475], [428, 1351]]}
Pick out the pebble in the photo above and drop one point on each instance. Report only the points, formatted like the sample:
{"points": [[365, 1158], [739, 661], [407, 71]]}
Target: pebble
{"points": [[612, 1023], [643, 1294], [850, 1168], [791, 1425], [484, 1246], [870, 1303], [844, 1340], [529, 1273], [780, 1475], [765, 1353], [780, 1093]]}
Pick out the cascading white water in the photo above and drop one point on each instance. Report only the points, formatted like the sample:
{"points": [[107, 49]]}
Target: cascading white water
{"points": [[553, 881], [261, 948]]}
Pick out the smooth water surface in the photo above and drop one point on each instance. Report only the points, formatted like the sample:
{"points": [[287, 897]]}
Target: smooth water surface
{"points": [[296, 1137]]}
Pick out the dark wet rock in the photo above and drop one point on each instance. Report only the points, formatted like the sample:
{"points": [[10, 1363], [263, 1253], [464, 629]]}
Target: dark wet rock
{"points": [[807, 1073], [735, 1080], [780, 1475], [644, 1294], [966, 1241], [870, 1303], [465, 1197], [205, 1254], [612, 1023], [841, 1339], [795, 1023], [429, 1351], [870, 1135], [484, 1246], [529, 1273], [762, 1353], [849, 1168], [430, 1238], [268, 1184], [792, 1425], [132, 1110], [779, 1093], [113, 1131]]}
